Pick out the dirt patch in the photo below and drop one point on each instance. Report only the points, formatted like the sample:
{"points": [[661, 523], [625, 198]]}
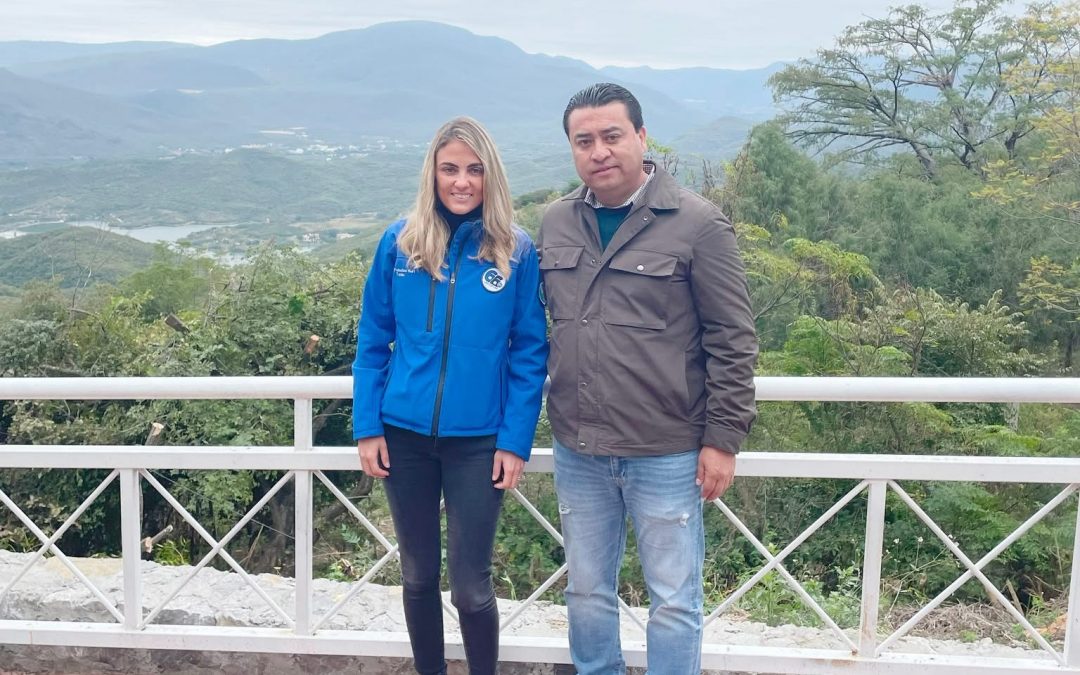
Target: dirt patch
{"points": [[974, 622]]}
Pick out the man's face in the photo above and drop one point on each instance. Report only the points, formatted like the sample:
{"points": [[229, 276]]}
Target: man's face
{"points": [[607, 151]]}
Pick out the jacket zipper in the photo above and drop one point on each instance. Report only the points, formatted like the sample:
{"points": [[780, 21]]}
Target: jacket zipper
{"points": [[431, 306], [446, 340]]}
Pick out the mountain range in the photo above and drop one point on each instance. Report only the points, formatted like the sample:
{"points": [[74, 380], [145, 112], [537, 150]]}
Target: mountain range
{"points": [[395, 81]]}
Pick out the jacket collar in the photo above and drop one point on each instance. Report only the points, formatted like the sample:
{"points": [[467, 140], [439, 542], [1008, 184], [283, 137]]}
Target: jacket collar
{"points": [[661, 193]]}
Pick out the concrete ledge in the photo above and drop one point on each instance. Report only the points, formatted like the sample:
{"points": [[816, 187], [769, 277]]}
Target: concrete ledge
{"points": [[217, 623]]}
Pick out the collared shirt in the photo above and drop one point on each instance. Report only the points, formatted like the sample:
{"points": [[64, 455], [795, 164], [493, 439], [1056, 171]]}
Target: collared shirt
{"points": [[591, 200]]}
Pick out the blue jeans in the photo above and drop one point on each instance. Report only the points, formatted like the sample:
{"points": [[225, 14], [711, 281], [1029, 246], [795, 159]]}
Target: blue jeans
{"points": [[423, 469], [596, 494]]}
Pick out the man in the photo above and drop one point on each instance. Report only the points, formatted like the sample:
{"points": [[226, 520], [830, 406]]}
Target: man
{"points": [[651, 372]]}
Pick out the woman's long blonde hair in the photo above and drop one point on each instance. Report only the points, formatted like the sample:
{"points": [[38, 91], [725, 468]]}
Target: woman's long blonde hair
{"points": [[425, 236]]}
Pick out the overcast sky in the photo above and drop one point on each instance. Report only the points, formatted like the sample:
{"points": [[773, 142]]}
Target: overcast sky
{"points": [[662, 34]]}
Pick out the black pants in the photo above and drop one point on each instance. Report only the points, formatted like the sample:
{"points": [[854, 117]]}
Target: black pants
{"points": [[423, 468]]}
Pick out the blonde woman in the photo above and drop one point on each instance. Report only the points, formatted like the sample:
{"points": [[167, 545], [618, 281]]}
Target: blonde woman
{"points": [[450, 411]]}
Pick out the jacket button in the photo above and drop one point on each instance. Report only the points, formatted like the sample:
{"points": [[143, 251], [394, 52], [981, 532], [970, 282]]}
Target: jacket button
{"points": [[593, 261], [584, 384], [640, 268], [644, 219], [581, 444], [584, 322]]}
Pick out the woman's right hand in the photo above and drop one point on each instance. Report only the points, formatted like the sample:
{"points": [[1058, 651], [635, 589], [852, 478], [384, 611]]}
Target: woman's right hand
{"points": [[373, 456]]}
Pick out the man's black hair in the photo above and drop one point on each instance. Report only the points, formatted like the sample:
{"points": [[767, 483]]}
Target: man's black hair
{"points": [[601, 94]]}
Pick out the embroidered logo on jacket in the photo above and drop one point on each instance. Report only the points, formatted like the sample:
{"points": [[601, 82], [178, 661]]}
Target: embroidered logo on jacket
{"points": [[493, 280]]}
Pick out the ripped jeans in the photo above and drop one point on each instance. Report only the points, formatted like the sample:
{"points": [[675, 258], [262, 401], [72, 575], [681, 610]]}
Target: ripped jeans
{"points": [[596, 494]]}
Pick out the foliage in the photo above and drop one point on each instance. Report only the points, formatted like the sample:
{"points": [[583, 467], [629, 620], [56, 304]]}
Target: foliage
{"points": [[526, 554], [1040, 190], [253, 319], [74, 256], [773, 602], [1039, 181], [774, 185], [931, 84]]}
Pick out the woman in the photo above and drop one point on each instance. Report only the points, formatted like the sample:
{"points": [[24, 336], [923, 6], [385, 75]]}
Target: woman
{"points": [[451, 410]]}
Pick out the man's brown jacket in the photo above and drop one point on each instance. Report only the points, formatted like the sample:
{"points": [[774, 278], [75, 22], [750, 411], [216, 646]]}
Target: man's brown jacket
{"points": [[653, 344]]}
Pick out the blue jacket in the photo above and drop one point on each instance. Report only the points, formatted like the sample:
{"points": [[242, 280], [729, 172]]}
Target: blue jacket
{"points": [[470, 352]]}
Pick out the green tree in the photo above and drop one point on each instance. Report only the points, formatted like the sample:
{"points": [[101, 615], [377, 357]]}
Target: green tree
{"points": [[1043, 184], [1051, 295], [931, 84], [175, 281], [772, 184]]}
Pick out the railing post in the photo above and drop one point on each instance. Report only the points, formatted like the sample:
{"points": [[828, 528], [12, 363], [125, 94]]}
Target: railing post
{"points": [[302, 442], [1072, 627], [131, 545], [871, 574]]}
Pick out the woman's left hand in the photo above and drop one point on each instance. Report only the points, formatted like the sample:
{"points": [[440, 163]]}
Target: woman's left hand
{"points": [[510, 467]]}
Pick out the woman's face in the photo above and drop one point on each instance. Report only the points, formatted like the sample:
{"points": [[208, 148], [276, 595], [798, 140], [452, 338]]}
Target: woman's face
{"points": [[459, 177]]}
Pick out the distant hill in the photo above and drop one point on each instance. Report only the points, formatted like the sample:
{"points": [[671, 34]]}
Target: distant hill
{"points": [[127, 73], [715, 92], [720, 139], [40, 121], [281, 131], [365, 242], [25, 51], [74, 255], [240, 186], [395, 80]]}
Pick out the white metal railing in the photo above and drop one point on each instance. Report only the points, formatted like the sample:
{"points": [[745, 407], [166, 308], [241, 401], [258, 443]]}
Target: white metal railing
{"points": [[303, 463]]}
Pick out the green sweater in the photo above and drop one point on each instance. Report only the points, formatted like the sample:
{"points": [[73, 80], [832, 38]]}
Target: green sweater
{"points": [[609, 220]]}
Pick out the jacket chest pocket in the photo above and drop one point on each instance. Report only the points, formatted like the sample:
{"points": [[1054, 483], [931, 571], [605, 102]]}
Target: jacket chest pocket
{"points": [[637, 290], [559, 264]]}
